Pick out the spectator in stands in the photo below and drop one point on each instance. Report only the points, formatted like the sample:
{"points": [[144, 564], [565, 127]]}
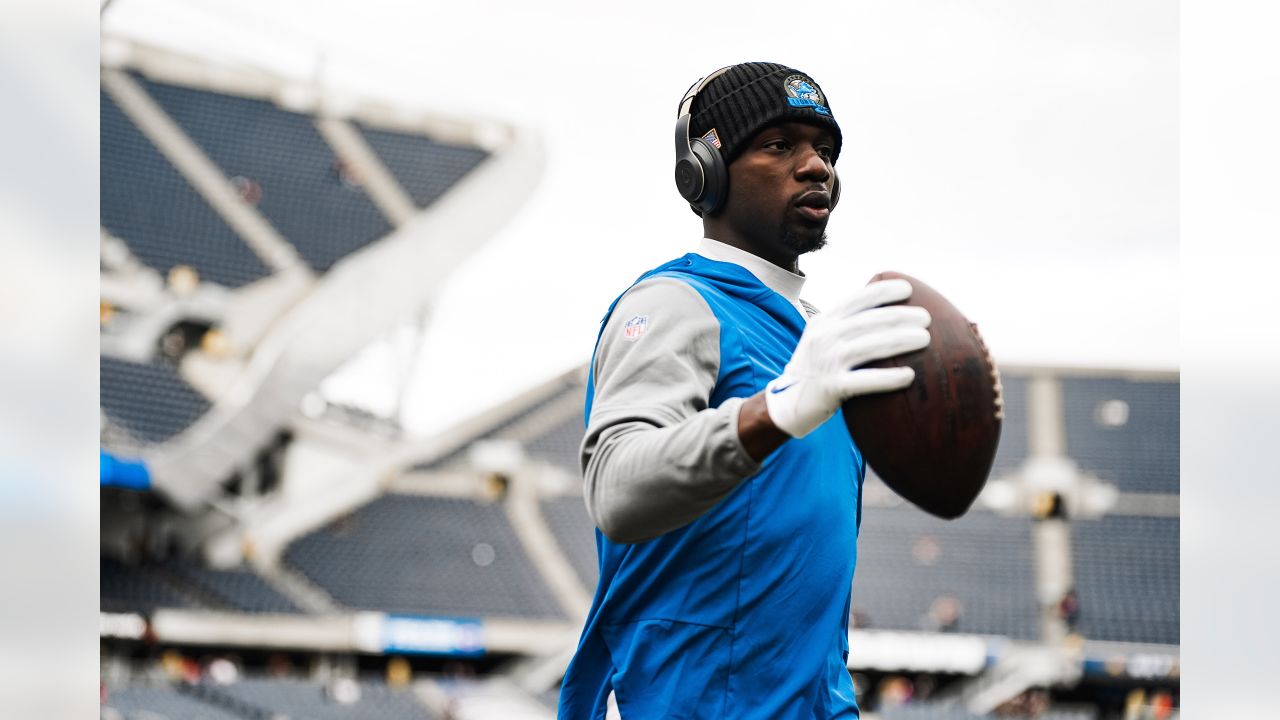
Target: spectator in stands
{"points": [[926, 550], [342, 691], [279, 665], [250, 191], [221, 671], [1161, 705], [1032, 703], [1069, 608], [721, 477], [179, 667], [943, 615], [923, 686], [859, 618], [895, 690], [348, 173]]}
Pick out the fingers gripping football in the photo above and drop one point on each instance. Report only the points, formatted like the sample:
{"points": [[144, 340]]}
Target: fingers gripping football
{"points": [[874, 294], [824, 370]]}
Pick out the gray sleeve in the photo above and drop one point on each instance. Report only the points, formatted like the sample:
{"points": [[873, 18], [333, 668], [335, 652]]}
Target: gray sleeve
{"points": [[655, 457]]}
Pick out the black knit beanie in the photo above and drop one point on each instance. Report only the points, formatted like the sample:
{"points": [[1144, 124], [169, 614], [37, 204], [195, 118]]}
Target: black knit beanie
{"points": [[735, 106]]}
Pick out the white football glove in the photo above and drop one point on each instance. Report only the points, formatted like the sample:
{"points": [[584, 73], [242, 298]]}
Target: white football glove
{"points": [[824, 370]]}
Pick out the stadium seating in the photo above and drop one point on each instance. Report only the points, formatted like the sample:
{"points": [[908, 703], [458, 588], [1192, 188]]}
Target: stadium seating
{"points": [[425, 555], [937, 711], [425, 168], [161, 702], [239, 589], [179, 583], [304, 699], [302, 194], [260, 699], [559, 444], [1012, 450], [575, 534], [908, 559], [146, 203], [536, 446], [130, 588], [150, 401], [979, 552], [1126, 572], [1139, 455]]}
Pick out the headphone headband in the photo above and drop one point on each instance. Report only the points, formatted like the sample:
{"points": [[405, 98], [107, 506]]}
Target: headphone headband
{"points": [[686, 102]]}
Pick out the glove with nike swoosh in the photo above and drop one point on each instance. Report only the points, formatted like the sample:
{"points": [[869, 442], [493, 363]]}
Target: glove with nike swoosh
{"points": [[824, 370]]}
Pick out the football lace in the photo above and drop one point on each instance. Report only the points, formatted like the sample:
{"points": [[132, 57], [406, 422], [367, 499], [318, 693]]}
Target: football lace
{"points": [[995, 373]]}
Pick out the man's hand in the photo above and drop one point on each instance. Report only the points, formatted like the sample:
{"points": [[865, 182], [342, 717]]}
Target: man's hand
{"points": [[824, 370]]}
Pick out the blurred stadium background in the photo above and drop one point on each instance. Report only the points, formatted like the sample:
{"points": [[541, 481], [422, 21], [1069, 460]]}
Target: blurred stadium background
{"points": [[273, 548]]}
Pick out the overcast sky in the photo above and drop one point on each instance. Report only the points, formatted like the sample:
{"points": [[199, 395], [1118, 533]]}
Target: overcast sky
{"points": [[1020, 157]]}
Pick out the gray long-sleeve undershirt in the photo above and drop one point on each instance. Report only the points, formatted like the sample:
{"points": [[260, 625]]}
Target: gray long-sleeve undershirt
{"points": [[655, 456]]}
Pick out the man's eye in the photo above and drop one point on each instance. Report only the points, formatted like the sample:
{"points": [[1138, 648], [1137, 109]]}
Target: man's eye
{"points": [[776, 144], [824, 152]]}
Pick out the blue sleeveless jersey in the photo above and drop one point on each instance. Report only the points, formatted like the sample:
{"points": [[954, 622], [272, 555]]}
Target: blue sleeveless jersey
{"points": [[744, 612]]}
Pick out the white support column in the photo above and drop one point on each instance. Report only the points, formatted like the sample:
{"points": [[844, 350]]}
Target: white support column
{"points": [[1053, 574], [526, 518], [1046, 435], [382, 186], [407, 360]]}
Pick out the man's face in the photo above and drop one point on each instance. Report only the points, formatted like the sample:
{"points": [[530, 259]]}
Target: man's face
{"points": [[780, 189]]}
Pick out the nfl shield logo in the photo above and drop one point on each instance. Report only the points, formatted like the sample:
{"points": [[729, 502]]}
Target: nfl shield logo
{"points": [[635, 327]]}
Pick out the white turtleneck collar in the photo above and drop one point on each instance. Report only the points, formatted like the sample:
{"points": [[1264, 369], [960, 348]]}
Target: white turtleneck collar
{"points": [[785, 283]]}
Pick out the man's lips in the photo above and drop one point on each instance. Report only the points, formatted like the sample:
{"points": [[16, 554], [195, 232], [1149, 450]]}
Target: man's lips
{"points": [[814, 205]]}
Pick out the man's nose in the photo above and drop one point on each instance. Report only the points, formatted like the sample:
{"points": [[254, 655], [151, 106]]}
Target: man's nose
{"points": [[813, 167]]}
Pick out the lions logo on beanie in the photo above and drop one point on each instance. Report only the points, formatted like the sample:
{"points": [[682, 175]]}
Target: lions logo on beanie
{"points": [[803, 94], [748, 97]]}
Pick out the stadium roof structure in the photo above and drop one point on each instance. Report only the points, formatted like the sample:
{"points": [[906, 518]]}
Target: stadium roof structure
{"points": [[257, 232]]}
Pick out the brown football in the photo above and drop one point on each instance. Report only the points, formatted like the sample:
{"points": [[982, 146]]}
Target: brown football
{"points": [[933, 443]]}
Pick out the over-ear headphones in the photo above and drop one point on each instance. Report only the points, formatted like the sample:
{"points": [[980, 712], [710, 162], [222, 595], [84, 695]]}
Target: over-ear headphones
{"points": [[702, 176]]}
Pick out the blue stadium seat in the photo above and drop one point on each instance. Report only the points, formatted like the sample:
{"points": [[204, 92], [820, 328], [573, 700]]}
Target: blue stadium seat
{"points": [[418, 555], [146, 203], [239, 589], [926, 711], [981, 559], [424, 167], [1012, 450], [303, 195], [163, 702], [559, 444], [1126, 571], [148, 400], [1141, 455], [299, 698], [551, 443], [125, 587], [575, 534], [937, 711]]}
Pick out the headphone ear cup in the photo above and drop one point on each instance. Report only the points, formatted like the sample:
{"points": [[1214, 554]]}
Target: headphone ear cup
{"points": [[715, 177], [835, 189], [689, 178]]}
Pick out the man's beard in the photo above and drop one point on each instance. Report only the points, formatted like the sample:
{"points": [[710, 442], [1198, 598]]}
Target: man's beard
{"points": [[804, 241]]}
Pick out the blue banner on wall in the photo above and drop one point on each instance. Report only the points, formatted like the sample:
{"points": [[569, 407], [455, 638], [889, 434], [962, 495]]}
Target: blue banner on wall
{"points": [[432, 635], [119, 472]]}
